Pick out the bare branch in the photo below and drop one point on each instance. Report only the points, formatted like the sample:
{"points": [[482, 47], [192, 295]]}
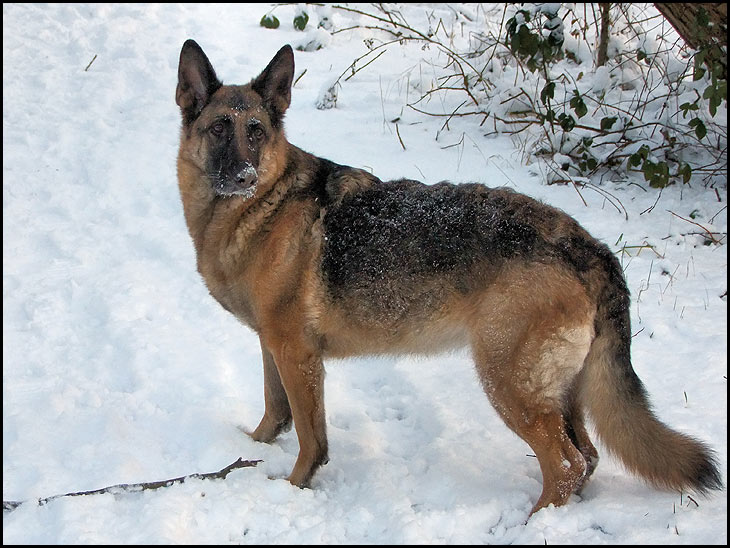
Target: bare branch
{"points": [[10, 505]]}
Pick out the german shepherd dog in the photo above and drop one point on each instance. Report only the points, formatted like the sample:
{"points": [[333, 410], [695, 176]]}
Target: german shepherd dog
{"points": [[324, 260]]}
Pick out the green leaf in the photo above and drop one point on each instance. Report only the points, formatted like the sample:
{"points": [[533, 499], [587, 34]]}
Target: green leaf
{"points": [[699, 70], [548, 92], [718, 70], [269, 21], [714, 93], [530, 42], [578, 105], [709, 92], [660, 176], [717, 96], [656, 174], [566, 121], [722, 90], [699, 127], [686, 173], [301, 20], [702, 19], [714, 103], [686, 107], [648, 170], [607, 123]]}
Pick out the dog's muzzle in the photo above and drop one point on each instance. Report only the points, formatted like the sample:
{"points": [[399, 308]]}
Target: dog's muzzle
{"points": [[243, 183]]}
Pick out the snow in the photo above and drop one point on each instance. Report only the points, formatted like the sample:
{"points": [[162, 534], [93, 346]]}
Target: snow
{"points": [[118, 366]]}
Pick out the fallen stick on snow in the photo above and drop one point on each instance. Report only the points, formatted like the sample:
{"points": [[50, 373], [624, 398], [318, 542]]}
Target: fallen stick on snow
{"points": [[10, 505]]}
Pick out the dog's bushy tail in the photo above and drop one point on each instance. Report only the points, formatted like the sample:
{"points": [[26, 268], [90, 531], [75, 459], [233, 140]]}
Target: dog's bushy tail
{"points": [[617, 402]]}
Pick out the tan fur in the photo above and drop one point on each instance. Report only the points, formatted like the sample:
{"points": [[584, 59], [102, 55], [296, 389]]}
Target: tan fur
{"points": [[646, 446]]}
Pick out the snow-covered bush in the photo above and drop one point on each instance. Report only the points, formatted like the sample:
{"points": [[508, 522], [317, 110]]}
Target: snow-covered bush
{"points": [[532, 71]]}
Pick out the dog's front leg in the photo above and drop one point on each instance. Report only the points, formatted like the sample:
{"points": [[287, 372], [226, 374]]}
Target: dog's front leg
{"points": [[302, 375], [277, 413]]}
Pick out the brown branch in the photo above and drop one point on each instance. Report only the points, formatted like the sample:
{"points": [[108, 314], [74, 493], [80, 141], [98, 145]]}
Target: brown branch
{"points": [[709, 234], [458, 59], [399, 137], [354, 72], [87, 66], [10, 505], [299, 77]]}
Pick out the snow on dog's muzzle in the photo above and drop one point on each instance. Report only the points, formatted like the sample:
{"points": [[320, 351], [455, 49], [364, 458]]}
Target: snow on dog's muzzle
{"points": [[247, 177], [243, 183]]}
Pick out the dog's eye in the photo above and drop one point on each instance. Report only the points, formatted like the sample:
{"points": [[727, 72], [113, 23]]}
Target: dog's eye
{"points": [[258, 133], [217, 129]]}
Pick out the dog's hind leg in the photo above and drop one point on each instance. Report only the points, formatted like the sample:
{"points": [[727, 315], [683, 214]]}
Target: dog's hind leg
{"points": [[562, 465], [575, 426], [277, 415], [536, 417], [528, 347]]}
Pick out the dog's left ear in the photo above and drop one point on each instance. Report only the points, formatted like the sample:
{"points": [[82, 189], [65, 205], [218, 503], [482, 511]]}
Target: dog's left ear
{"points": [[274, 84]]}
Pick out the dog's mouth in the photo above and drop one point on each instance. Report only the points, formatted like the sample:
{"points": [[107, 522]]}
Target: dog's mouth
{"points": [[243, 183]]}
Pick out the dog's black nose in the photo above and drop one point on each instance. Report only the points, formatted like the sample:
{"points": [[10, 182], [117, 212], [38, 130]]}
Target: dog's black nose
{"points": [[247, 176]]}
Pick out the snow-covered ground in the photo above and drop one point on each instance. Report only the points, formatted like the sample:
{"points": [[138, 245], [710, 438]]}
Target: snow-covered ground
{"points": [[118, 367]]}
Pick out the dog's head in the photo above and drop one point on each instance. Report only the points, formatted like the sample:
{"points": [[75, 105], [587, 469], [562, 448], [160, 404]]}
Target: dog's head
{"points": [[233, 132]]}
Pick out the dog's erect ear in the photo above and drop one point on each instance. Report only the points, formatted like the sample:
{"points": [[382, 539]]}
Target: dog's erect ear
{"points": [[196, 81], [274, 84]]}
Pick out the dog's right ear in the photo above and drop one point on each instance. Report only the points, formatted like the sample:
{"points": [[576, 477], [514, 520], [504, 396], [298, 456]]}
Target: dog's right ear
{"points": [[196, 81]]}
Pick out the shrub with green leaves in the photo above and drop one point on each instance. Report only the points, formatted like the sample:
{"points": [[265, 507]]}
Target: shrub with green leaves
{"points": [[653, 109], [617, 127], [269, 21], [301, 20]]}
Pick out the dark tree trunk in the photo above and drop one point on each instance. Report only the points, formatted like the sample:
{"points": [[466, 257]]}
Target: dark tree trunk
{"points": [[690, 22], [602, 56]]}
